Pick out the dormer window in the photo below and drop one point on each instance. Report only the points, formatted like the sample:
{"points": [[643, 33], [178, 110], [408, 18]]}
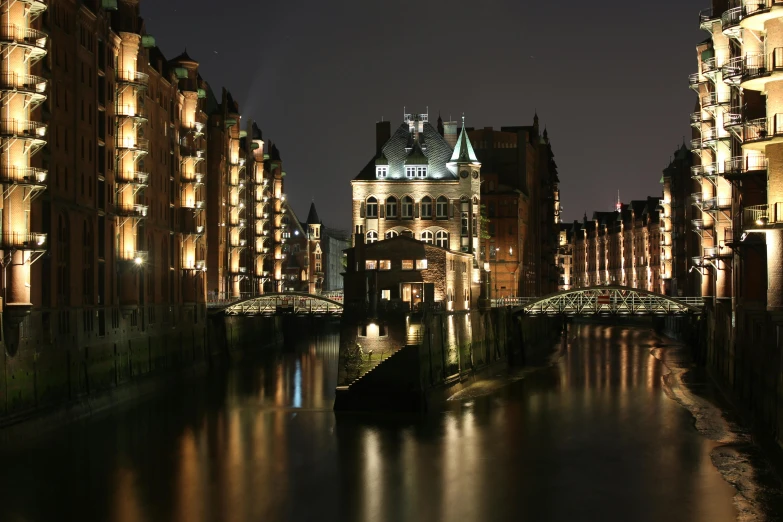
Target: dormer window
{"points": [[381, 171], [415, 171]]}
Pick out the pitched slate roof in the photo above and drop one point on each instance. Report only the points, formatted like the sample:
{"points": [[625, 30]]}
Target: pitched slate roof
{"points": [[436, 150], [312, 216]]}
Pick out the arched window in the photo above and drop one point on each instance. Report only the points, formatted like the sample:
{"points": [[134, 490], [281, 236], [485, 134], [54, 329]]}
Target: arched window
{"points": [[391, 233], [426, 207], [442, 239], [407, 207], [427, 237], [372, 207], [442, 208], [391, 207], [372, 236], [63, 260]]}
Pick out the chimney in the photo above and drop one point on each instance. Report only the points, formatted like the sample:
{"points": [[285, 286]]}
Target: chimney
{"points": [[450, 133], [382, 135]]}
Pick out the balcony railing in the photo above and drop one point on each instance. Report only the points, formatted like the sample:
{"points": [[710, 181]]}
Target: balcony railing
{"points": [[712, 135], [762, 216], [11, 81], [696, 118], [733, 70], [696, 144], [731, 18], [694, 81], [24, 241], [755, 7], [716, 203], [707, 17], [714, 99], [732, 118], [697, 261], [133, 143], [133, 77], [762, 129], [137, 211], [23, 129], [700, 171], [748, 164], [709, 65], [22, 175], [24, 36], [133, 178], [129, 111], [696, 199]]}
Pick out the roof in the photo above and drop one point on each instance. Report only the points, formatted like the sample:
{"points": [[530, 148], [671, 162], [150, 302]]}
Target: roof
{"points": [[391, 244], [463, 152], [183, 57], [312, 216], [397, 149]]}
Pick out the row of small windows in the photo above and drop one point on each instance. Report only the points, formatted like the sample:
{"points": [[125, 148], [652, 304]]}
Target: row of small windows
{"points": [[406, 208], [411, 171], [440, 238]]}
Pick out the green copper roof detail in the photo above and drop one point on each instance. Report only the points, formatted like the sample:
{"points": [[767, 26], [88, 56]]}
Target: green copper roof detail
{"points": [[463, 152]]}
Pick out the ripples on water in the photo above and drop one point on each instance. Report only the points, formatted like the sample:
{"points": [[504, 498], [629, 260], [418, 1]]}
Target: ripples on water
{"points": [[593, 437]]}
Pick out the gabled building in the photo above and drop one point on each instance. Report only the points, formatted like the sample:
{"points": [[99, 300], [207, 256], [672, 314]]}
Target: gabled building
{"points": [[418, 185]]}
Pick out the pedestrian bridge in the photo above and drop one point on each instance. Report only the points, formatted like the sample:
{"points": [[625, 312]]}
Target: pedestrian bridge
{"points": [[284, 303], [603, 300]]}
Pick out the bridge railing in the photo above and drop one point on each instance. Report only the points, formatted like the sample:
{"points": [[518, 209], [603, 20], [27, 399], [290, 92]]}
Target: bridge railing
{"points": [[223, 299]]}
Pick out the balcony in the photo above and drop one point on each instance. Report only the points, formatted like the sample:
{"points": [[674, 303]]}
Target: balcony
{"points": [[738, 167], [758, 12], [715, 99], [32, 40], [139, 179], [132, 211], [696, 119], [763, 217], [698, 261], [133, 144], [696, 145], [192, 153], [238, 243], [696, 199], [134, 258], [716, 204], [712, 136], [129, 111], [695, 81], [707, 17], [24, 83], [23, 175], [133, 78], [704, 171], [730, 21], [22, 129], [698, 224], [733, 70], [35, 7], [760, 69], [757, 134], [240, 223], [24, 241]]}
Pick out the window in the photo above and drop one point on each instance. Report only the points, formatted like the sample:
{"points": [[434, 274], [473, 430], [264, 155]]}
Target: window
{"points": [[372, 236], [371, 264], [385, 264], [372, 207], [426, 207], [427, 237], [442, 239], [466, 224], [442, 208], [391, 207], [421, 171], [407, 264], [381, 172], [421, 264], [390, 234], [407, 207], [318, 266], [410, 172]]}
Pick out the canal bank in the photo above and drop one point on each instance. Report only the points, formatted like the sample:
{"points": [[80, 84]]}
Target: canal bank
{"points": [[402, 361]]}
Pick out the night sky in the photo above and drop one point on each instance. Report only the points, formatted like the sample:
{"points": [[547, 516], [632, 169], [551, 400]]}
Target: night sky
{"points": [[608, 79]]}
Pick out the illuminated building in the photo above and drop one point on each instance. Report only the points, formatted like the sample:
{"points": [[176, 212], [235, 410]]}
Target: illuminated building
{"points": [[418, 185]]}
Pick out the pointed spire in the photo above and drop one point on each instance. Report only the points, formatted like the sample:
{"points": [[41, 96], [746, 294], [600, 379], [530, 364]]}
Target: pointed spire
{"points": [[463, 152], [312, 216]]}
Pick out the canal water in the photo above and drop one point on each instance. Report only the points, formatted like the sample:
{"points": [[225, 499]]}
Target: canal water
{"points": [[605, 433]]}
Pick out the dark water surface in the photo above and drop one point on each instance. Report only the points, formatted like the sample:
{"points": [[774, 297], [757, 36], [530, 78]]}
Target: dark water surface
{"points": [[594, 437]]}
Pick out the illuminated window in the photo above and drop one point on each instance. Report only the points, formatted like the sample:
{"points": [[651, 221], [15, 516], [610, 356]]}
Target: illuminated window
{"points": [[381, 172], [426, 207], [410, 172], [372, 207], [391, 207], [421, 171], [442, 239], [386, 294], [442, 208], [407, 264], [385, 264], [407, 207], [371, 264], [421, 264], [318, 266], [390, 234], [427, 237], [372, 236]]}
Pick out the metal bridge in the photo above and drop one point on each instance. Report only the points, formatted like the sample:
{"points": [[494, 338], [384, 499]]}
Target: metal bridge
{"points": [[284, 303], [603, 300]]}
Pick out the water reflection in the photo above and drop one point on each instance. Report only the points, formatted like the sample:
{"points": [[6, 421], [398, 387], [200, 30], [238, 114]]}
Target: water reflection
{"points": [[592, 438]]}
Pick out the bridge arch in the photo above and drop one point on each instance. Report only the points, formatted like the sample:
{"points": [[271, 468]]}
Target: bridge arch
{"points": [[609, 300], [295, 303]]}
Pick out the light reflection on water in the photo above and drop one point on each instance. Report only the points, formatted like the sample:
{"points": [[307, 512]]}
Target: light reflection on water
{"points": [[592, 438]]}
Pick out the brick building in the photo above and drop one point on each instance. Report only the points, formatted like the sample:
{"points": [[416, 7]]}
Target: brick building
{"points": [[520, 198]]}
